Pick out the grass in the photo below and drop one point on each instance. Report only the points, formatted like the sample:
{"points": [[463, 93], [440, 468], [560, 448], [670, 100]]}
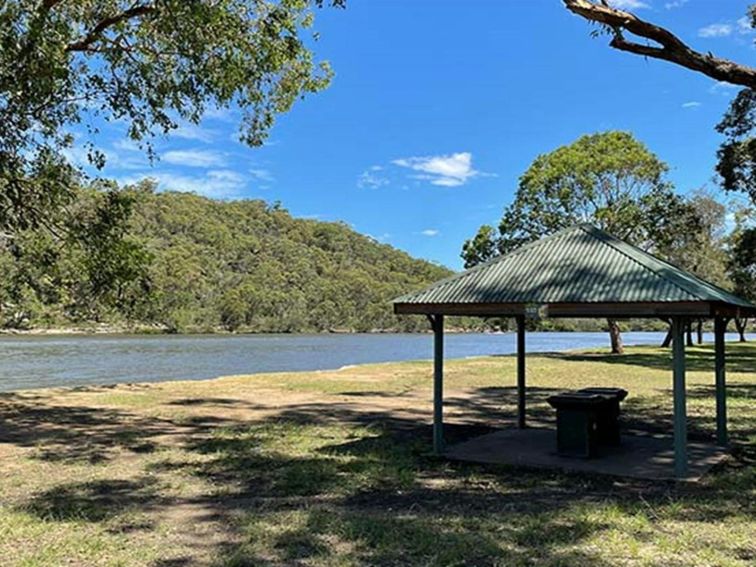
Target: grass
{"points": [[332, 468]]}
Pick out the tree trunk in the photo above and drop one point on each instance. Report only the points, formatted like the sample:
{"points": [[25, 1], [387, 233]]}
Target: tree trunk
{"points": [[699, 332], [689, 334], [740, 325], [668, 339], [616, 337]]}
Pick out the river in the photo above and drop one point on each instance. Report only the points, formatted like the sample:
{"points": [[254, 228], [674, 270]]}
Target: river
{"points": [[77, 360]]}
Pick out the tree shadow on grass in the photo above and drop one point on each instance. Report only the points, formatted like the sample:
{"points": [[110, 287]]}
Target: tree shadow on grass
{"points": [[380, 538], [214, 401], [497, 406], [73, 433], [407, 501], [699, 358], [367, 488], [654, 414], [374, 499], [62, 433], [95, 501]]}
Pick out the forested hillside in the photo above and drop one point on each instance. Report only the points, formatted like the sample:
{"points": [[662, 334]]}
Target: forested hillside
{"points": [[192, 263]]}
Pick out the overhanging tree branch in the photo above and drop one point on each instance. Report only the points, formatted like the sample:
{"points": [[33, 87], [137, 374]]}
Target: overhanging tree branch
{"points": [[49, 4], [668, 46], [96, 32]]}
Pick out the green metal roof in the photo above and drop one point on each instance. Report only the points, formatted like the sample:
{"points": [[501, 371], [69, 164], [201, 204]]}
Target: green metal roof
{"points": [[579, 265]]}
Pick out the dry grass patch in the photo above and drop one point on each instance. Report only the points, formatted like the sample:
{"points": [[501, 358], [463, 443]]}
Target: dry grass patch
{"points": [[332, 468]]}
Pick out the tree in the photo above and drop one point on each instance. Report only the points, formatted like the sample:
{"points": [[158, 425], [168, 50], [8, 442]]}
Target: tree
{"points": [[737, 155], [698, 245], [114, 264], [147, 63], [92, 270], [742, 260], [736, 164], [609, 179], [481, 247]]}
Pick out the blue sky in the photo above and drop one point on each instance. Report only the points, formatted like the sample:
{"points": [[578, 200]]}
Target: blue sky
{"points": [[438, 106]]}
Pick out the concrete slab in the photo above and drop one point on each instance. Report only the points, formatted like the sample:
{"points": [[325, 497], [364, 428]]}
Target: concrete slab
{"points": [[640, 456]]}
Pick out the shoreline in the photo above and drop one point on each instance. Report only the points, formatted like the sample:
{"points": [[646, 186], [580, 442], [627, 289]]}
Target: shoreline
{"points": [[154, 331]]}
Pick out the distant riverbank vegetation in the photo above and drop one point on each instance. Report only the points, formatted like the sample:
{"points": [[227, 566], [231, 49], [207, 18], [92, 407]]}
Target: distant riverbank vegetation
{"points": [[179, 262], [137, 260]]}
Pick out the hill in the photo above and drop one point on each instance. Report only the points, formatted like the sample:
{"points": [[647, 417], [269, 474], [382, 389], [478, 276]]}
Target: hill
{"points": [[247, 264], [239, 265]]}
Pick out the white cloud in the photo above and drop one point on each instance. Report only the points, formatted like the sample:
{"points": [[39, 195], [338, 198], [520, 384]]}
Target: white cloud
{"points": [[193, 132], [194, 158], [262, 174], [628, 4], [744, 26], [217, 183], [223, 114], [127, 144], [430, 232], [675, 4], [691, 104], [723, 88], [78, 155], [450, 170], [371, 179], [715, 30]]}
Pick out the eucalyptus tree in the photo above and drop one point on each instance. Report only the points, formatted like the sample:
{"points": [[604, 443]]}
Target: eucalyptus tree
{"points": [[147, 64], [69, 66], [609, 179]]}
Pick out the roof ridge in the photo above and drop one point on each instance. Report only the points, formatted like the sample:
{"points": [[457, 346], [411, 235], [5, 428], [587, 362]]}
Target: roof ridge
{"points": [[612, 241], [496, 259]]}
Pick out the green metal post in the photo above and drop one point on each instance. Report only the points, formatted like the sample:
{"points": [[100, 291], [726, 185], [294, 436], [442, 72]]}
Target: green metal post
{"points": [[438, 384], [720, 326], [680, 418], [520, 371]]}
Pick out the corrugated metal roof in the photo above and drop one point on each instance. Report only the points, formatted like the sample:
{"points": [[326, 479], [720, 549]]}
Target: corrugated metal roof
{"points": [[581, 264]]}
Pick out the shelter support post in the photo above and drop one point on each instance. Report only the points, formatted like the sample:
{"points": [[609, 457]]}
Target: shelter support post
{"points": [[678, 381], [720, 326], [437, 322], [520, 371]]}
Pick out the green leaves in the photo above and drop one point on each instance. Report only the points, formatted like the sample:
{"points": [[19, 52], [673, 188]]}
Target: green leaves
{"points": [[148, 64], [737, 155], [480, 248], [742, 254], [183, 262], [609, 179]]}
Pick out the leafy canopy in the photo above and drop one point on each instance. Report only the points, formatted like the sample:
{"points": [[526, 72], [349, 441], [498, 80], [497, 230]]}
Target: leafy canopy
{"points": [[736, 164], [737, 154], [147, 63], [609, 179]]}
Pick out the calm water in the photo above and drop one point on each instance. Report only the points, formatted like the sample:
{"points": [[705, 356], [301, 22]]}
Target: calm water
{"points": [[34, 362]]}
